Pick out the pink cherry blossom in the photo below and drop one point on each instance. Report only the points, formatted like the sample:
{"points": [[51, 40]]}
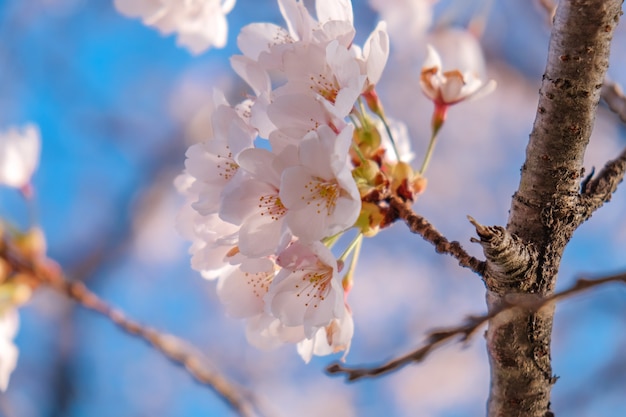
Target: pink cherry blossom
{"points": [[336, 337], [320, 194], [307, 291]]}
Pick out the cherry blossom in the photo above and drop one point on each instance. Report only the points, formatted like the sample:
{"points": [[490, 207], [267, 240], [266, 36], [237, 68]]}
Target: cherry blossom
{"points": [[307, 291], [19, 155], [9, 322], [267, 332], [200, 24], [335, 337], [214, 241], [252, 200], [320, 194], [242, 291], [445, 88]]}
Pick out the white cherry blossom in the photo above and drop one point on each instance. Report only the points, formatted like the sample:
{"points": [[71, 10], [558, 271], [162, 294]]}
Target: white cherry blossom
{"points": [[19, 155], [336, 337], [200, 24], [252, 200], [267, 332], [213, 163], [9, 322], [375, 54], [214, 241], [445, 88], [307, 291], [330, 73], [320, 194], [242, 291]]}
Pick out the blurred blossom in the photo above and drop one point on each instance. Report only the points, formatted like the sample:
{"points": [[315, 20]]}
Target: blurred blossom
{"points": [[9, 322], [458, 48], [19, 155], [407, 20], [200, 24]]}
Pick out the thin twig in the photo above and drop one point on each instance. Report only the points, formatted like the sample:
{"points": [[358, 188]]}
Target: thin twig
{"points": [[418, 225], [172, 347], [614, 97], [521, 302], [597, 191]]}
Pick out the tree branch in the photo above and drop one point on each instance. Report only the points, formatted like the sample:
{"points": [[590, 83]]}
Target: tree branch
{"points": [[172, 347], [545, 210], [418, 225], [513, 306], [599, 190]]}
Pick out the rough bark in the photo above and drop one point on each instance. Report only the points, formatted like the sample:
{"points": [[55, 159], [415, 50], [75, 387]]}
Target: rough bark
{"points": [[545, 210]]}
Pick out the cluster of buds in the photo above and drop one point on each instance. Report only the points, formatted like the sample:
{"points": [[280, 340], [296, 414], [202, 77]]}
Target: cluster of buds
{"points": [[381, 171]]}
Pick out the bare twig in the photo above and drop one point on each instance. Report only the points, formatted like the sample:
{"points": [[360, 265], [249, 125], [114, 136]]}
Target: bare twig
{"points": [[614, 97], [599, 190], [172, 347], [527, 303], [417, 224]]}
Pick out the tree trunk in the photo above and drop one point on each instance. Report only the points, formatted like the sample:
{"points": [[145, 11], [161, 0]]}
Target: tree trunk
{"points": [[523, 259]]}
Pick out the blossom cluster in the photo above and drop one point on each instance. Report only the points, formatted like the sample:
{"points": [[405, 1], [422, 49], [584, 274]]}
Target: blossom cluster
{"points": [[290, 169]]}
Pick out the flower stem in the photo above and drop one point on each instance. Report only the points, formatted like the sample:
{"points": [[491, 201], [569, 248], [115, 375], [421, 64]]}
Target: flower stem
{"points": [[388, 129], [429, 152], [348, 279], [351, 247], [439, 117]]}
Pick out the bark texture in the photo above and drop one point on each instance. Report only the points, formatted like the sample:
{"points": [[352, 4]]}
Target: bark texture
{"points": [[546, 209]]}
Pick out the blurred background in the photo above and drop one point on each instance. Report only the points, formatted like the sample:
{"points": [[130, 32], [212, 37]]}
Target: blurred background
{"points": [[118, 104]]}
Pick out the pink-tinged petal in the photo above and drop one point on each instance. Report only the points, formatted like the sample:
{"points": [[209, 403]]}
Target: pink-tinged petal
{"points": [[309, 224], [451, 89], [252, 73], [341, 31], [299, 113], [432, 61], [242, 291], [261, 235], [376, 53], [306, 295], [259, 118], [484, 90], [243, 197], [335, 337], [256, 38], [334, 10], [267, 332], [299, 21], [260, 164]]}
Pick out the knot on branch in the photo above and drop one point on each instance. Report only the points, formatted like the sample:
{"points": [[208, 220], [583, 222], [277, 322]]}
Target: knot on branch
{"points": [[509, 260]]}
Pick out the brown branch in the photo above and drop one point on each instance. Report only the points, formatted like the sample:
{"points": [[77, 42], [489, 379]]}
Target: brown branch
{"points": [[172, 347], [599, 190], [418, 225], [545, 210], [512, 305]]}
